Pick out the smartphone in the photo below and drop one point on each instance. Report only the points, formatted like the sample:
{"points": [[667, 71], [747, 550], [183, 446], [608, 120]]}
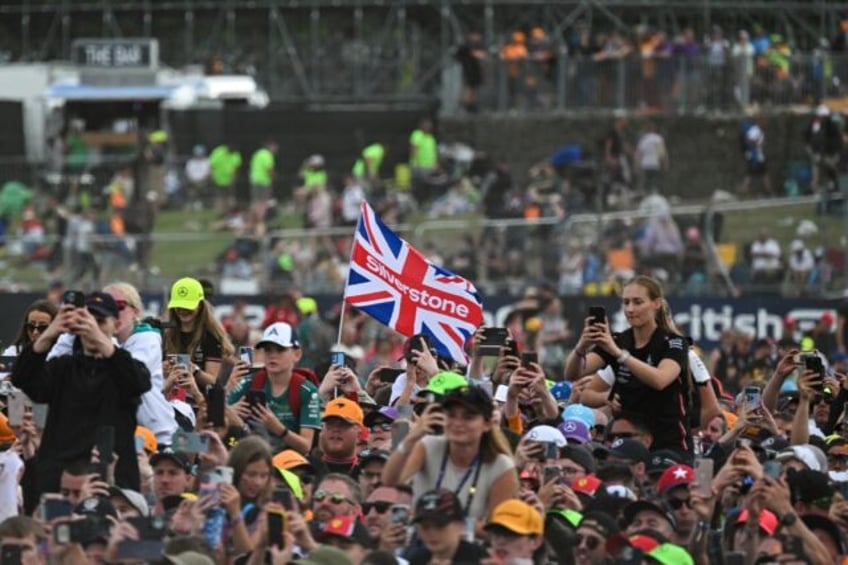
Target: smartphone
{"points": [[75, 298], [215, 402], [529, 357], [418, 342], [338, 358], [388, 375], [276, 529], [149, 527], [224, 372], [255, 397], [704, 469], [400, 429], [813, 362], [552, 473], [399, 514], [284, 498], [598, 314], [139, 444], [493, 340], [189, 442], [105, 443], [246, 354], [184, 359], [511, 348], [772, 468], [149, 546], [53, 506], [16, 406], [752, 396], [551, 450]]}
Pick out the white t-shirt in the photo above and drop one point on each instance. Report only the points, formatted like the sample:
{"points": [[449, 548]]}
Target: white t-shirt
{"points": [[651, 149], [352, 198], [197, 170], [801, 262], [770, 259]]}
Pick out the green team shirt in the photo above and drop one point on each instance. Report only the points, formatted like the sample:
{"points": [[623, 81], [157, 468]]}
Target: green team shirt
{"points": [[261, 167], [223, 165], [310, 407], [312, 178], [426, 150], [374, 153]]}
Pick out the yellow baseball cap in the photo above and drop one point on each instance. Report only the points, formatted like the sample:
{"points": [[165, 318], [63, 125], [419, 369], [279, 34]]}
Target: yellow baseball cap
{"points": [[186, 293], [518, 517], [345, 409]]}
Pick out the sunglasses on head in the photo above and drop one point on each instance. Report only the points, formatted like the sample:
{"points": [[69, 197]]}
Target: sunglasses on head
{"points": [[380, 506], [677, 503], [33, 327], [335, 497], [122, 304], [592, 542]]}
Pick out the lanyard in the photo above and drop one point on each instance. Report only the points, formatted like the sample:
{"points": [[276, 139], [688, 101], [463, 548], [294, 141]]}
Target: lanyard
{"points": [[476, 465]]}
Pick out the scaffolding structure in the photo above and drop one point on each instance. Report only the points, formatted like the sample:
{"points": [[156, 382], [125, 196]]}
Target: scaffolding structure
{"points": [[369, 50]]}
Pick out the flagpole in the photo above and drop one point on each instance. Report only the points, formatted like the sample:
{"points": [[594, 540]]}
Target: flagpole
{"points": [[350, 255]]}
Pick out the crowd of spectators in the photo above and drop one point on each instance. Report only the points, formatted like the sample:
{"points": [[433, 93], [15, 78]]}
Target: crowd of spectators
{"points": [[193, 440]]}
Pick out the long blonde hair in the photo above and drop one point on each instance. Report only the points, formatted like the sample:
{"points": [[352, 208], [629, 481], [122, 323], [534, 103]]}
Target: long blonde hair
{"points": [[205, 322]]}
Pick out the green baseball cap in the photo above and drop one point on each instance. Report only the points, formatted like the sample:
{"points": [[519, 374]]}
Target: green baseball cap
{"points": [[444, 382], [670, 554], [572, 517], [186, 293]]}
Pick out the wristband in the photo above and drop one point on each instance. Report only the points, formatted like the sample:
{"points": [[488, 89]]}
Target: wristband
{"points": [[625, 355], [284, 433]]}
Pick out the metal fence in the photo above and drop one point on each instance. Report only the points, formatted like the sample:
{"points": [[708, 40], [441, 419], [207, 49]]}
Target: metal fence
{"points": [[676, 83]]}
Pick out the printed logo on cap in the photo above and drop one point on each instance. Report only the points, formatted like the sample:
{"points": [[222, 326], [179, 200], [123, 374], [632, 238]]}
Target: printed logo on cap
{"points": [[569, 426], [532, 435], [182, 291], [273, 331], [617, 443]]}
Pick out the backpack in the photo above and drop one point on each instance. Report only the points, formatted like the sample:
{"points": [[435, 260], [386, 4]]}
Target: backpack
{"points": [[299, 376]]}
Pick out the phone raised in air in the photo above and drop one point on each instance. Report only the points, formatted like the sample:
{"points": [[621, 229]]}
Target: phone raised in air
{"points": [[388, 375], [598, 314], [704, 468], [528, 358], [753, 396], [276, 529], [493, 340], [75, 298]]}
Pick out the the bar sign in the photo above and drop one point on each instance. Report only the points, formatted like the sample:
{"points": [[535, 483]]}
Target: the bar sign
{"points": [[140, 53]]}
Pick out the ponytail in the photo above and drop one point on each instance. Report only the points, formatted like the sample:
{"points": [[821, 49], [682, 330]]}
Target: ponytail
{"points": [[664, 319]]}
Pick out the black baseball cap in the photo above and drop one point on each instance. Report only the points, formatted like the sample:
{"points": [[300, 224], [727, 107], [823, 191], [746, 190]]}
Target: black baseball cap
{"points": [[439, 506], [474, 398], [630, 450], [659, 507], [181, 459], [102, 303]]}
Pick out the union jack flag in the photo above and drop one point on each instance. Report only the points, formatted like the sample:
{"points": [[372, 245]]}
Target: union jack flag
{"points": [[396, 285]]}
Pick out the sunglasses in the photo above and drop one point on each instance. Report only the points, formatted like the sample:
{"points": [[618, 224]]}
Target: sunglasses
{"points": [[592, 542], [384, 426], [624, 435], [380, 506], [33, 327], [335, 497], [678, 503]]}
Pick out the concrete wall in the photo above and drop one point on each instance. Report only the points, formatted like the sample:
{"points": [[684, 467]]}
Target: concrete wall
{"points": [[704, 151]]}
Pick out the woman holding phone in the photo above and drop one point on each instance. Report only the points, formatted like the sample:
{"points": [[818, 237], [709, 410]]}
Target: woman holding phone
{"points": [[37, 317], [649, 362], [197, 332]]}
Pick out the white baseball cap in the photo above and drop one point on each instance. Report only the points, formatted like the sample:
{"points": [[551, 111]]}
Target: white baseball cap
{"points": [[279, 333], [810, 455], [547, 434]]}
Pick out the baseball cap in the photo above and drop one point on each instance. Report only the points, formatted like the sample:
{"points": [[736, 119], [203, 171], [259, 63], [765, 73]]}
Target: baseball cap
{"points": [[325, 555], [290, 459], [7, 434], [588, 485], [103, 304], [661, 460], [373, 455], [343, 408], [150, 444], [518, 517], [307, 305], [278, 333], [571, 517], [388, 413], [96, 507], [809, 455], [579, 412], [186, 293], [601, 522], [561, 390], [189, 558], [474, 398], [574, 430], [445, 381], [579, 455], [810, 487], [347, 528], [440, 506], [181, 459], [546, 434], [630, 450], [675, 476], [135, 498], [656, 506], [768, 521]]}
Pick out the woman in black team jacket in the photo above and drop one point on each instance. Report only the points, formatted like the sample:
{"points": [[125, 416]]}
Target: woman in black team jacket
{"points": [[648, 360]]}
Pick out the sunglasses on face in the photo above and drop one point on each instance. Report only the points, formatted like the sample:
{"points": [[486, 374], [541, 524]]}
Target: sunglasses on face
{"points": [[380, 506], [678, 503], [384, 426], [592, 542], [335, 497], [33, 327], [624, 435]]}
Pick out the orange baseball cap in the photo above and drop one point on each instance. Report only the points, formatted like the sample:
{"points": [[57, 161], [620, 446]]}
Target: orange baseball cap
{"points": [[345, 409], [289, 459], [149, 439], [7, 435]]}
